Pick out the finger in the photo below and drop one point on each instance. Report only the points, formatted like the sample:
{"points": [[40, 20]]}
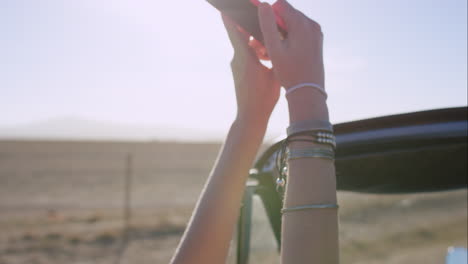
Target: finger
{"points": [[288, 13], [315, 25], [269, 28], [239, 39], [244, 33], [260, 50], [240, 42], [292, 16]]}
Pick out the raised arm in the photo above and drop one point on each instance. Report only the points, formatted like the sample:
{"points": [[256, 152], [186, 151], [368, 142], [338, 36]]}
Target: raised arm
{"points": [[207, 238], [311, 235]]}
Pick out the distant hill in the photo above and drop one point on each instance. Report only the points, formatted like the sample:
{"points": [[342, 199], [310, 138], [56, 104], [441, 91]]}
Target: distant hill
{"points": [[72, 128]]}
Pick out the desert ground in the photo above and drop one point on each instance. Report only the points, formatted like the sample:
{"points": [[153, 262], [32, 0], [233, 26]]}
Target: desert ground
{"points": [[63, 202]]}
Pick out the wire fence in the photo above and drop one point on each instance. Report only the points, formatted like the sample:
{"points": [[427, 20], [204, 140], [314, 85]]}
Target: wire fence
{"points": [[48, 193], [65, 163]]}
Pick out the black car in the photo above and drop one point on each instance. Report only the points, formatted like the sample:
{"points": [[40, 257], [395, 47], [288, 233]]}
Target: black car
{"points": [[407, 153]]}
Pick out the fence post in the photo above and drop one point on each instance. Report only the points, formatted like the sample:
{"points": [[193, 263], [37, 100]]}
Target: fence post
{"points": [[127, 212]]}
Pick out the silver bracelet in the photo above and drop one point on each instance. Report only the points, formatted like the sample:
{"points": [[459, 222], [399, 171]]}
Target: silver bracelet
{"points": [[310, 206], [309, 125], [315, 86], [311, 153]]}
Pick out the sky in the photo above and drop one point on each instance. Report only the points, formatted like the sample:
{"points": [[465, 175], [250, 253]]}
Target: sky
{"points": [[166, 63]]}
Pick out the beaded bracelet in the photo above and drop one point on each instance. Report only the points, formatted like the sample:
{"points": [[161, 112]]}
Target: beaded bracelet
{"points": [[318, 140]]}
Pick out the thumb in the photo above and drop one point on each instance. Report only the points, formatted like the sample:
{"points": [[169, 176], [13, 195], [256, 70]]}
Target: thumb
{"points": [[269, 28]]}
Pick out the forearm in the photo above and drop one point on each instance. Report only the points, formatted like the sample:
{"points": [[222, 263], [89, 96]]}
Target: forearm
{"points": [[310, 236], [209, 232]]}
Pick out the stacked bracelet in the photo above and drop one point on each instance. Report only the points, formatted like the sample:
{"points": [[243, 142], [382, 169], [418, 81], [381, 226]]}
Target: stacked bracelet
{"points": [[322, 153], [321, 135], [315, 137], [310, 125]]}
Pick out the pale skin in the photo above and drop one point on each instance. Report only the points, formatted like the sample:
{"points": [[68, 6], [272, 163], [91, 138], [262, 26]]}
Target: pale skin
{"points": [[309, 236]]}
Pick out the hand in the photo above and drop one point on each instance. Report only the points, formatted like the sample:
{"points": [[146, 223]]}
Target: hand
{"points": [[257, 89], [299, 57]]}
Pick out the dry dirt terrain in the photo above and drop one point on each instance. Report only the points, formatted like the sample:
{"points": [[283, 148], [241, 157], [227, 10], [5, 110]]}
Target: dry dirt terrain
{"points": [[62, 202]]}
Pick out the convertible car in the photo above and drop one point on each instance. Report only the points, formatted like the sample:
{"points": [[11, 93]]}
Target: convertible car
{"points": [[406, 153]]}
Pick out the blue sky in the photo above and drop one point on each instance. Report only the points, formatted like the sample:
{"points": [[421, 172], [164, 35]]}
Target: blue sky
{"points": [[167, 62]]}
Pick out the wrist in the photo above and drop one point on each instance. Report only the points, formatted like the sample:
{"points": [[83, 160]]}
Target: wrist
{"points": [[250, 124], [250, 121], [249, 132], [307, 104]]}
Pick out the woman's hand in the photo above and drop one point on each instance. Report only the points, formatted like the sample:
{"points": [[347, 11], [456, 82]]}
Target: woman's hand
{"points": [[257, 89], [298, 58]]}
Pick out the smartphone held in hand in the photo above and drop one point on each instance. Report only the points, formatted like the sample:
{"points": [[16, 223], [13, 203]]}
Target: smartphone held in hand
{"points": [[245, 14]]}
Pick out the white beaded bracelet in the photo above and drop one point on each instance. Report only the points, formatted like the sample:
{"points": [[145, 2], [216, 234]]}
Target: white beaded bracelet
{"points": [[310, 85]]}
